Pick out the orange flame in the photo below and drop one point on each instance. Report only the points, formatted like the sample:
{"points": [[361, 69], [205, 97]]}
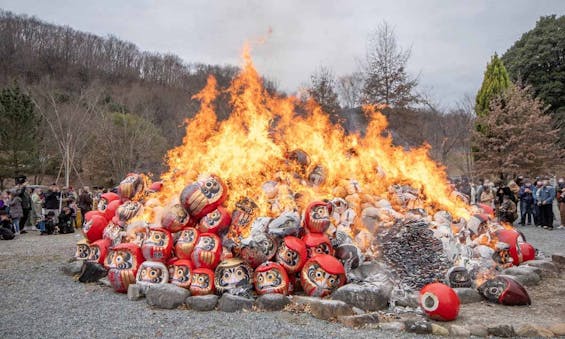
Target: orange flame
{"points": [[250, 148]]}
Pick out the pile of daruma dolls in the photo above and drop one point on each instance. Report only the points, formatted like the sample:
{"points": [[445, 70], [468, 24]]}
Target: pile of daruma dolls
{"points": [[197, 244]]}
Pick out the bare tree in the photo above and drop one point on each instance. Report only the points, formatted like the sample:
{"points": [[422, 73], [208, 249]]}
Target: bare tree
{"points": [[349, 90], [69, 118], [386, 79], [322, 89]]}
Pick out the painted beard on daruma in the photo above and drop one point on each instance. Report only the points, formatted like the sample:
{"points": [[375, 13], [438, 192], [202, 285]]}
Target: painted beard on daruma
{"points": [[271, 277], [233, 276], [317, 217], [152, 273], [321, 275], [158, 245], [202, 282], [181, 273], [186, 242], [203, 196], [207, 251], [122, 263]]}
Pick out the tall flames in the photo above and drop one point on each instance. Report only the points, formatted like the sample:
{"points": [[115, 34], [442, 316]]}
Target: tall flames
{"points": [[258, 144]]}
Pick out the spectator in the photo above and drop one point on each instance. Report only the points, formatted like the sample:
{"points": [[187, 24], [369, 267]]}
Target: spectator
{"points": [[66, 221], [36, 216], [24, 195], [561, 200], [6, 227], [537, 186], [85, 202], [16, 212], [52, 201], [545, 196], [487, 196], [507, 211], [526, 203]]}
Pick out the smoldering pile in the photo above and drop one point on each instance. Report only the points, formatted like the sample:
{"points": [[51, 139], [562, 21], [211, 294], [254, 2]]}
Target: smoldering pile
{"points": [[413, 253]]}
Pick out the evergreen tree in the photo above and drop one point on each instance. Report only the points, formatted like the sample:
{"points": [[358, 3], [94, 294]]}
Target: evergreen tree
{"points": [[517, 137], [19, 124], [495, 82], [538, 59]]}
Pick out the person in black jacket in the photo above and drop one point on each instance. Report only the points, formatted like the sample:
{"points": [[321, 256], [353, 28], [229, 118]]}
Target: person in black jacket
{"points": [[52, 201], [66, 221]]}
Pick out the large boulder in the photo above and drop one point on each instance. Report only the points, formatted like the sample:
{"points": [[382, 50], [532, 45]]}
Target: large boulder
{"points": [[166, 296], [135, 292], [272, 302], [202, 303], [233, 303], [360, 320], [329, 309], [366, 296], [548, 268]]}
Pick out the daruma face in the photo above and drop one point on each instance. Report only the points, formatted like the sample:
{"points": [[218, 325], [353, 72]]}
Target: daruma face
{"points": [[233, 275], [128, 210], [216, 221], [317, 243], [82, 250], [174, 218], [122, 263], [271, 277], [181, 273], [152, 273], [99, 250], [292, 254], [158, 245], [207, 251], [203, 196], [202, 282], [505, 290], [186, 242], [131, 187], [317, 217], [321, 275]]}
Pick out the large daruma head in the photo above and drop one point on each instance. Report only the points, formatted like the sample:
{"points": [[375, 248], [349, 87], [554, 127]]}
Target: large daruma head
{"points": [[321, 275], [271, 277], [203, 196], [292, 254]]}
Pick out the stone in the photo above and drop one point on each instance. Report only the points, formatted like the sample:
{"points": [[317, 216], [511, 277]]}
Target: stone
{"points": [[548, 268], [503, 331], [366, 296], [439, 330], [478, 330], [329, 309], [91, 272], [531, 279], [558, 329], [395, 326], [272, 302], [460, 331], [361, 320], [357, 311], [468, 295], [521, 270], [202, 303], [72, 268], [234, 303], [533, 331], [105, 282], [166, 296], [558, 259], [134, 292], [418, 327]]}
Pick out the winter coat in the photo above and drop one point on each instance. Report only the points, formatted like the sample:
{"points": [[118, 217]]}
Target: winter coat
{"points": [[527, 197], [52, 200], [16, 210], [36, 203]]}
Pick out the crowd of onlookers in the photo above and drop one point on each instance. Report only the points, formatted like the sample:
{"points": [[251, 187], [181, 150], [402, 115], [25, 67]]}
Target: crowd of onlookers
{"points": [[523, 200], [51, 210]]}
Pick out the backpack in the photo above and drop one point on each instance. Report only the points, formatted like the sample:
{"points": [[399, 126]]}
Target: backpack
{"points": [[6, 234]]}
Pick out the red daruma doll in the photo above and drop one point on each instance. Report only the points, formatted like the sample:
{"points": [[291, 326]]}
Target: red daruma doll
{"points": [[158, 245], [321, 275], [203, 196], [122, 262], [317, 217], [207, 251]]}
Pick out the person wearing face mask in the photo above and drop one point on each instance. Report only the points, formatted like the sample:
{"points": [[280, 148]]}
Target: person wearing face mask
{"points": [[526, 203], [546, 194], [561, 200]]}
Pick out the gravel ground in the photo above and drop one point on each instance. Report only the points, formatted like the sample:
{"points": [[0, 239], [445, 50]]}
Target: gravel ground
{"points": [[42, 302]]}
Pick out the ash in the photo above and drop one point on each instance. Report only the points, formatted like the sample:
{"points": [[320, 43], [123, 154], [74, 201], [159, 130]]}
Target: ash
{"points": [[412, 252]]}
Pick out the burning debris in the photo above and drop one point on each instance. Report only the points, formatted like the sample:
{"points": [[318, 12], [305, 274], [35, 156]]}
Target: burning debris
{"points": [[269, 201]]}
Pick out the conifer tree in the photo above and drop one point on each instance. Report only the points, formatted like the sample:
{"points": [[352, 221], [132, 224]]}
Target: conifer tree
{"points": [[495, 82]]}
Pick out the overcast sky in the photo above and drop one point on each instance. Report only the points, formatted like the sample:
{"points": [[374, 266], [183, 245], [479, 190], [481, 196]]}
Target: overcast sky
{"points": [[451, 40]]}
